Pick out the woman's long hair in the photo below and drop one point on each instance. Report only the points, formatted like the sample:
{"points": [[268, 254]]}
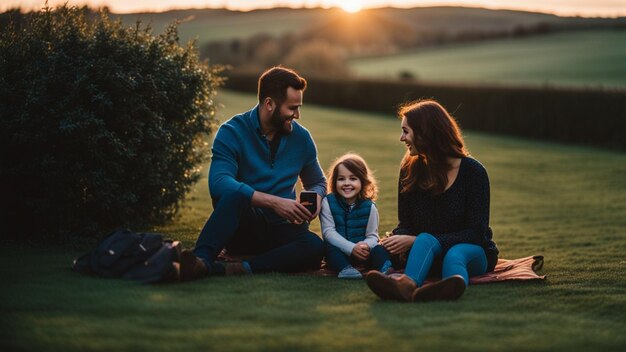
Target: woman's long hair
{"points": [[437, 137], [357, 165]]}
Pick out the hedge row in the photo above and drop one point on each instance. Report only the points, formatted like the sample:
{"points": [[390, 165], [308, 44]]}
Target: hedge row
{"points": [[101, 125], [595, 117]]}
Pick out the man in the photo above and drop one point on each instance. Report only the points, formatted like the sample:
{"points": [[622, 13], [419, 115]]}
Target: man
{"points": [[257, 159]]}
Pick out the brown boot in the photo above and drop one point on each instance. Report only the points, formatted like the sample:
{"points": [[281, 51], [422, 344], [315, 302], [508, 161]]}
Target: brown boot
{"points": [[191, 267], [397, 287], [448, 289], [174, 274], [234, 268]]}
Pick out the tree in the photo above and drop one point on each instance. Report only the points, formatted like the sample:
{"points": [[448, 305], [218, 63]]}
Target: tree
{"points": [[101, 125]]}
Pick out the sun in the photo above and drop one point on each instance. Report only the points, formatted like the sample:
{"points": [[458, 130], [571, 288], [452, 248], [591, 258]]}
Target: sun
{"points": [[351, 6]]}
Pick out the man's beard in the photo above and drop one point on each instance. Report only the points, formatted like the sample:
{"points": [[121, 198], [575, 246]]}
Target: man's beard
{"points": [[278, 122]]}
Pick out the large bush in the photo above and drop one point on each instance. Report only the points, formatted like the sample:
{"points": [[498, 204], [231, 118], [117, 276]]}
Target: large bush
{"points": [[101, 125]]}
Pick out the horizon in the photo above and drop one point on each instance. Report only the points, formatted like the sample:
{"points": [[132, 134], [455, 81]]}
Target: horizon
{"points": [[566, 8]]}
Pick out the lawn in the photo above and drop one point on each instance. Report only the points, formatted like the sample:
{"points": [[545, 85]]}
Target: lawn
{"points": [[567, 203], [588, 58]]}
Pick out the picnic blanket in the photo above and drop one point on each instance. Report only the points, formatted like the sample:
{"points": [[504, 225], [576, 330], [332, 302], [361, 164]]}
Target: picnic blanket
{"points": [[506, 269], [512, 269]]}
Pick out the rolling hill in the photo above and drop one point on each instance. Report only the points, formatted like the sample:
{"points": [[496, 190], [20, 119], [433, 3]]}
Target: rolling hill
{"points": [[218, 24]]}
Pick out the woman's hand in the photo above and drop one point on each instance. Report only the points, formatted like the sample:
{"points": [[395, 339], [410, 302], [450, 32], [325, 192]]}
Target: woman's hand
{"points": [[398, 243], [361, 251]]}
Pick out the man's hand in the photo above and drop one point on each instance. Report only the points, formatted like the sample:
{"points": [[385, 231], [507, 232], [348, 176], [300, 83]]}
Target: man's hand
{"points": [[361, 251], [291, 210], [398, 243]]}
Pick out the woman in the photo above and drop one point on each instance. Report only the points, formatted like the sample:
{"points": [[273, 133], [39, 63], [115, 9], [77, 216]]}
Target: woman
{"points": [[443, 211]]}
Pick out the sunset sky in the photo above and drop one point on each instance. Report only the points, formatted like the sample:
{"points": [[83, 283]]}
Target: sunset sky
{"points": [[604, 8]]}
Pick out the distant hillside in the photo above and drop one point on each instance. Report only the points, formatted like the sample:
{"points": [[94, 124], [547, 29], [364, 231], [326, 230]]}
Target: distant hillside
{"points": [[207, 25], [577, 58], [322, 41], [218, 24], [457, 19]]}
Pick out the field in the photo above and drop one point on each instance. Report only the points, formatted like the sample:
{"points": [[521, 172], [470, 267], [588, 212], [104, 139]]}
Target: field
{"points": [[589, 58], [208, 25], [218, 24], [566, 203]]}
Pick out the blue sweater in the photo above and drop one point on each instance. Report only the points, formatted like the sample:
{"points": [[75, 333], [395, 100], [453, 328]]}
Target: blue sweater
{"points": [[242, 160]]}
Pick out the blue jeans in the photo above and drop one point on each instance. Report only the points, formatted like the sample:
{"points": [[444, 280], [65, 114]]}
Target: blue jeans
{"points": [[337, 260], [462, 259], [245, 230]]}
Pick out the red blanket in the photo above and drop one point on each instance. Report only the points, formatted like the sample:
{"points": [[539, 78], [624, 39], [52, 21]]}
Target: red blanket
{"points": [[512, 269], [506, 269]]}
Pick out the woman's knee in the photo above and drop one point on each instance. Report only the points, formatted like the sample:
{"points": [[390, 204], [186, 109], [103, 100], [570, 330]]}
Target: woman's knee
{"points": [[455, 255], [470, 256], [427, 242]]}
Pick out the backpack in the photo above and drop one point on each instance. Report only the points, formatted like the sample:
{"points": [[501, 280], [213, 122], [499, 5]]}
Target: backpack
{"points": [[143, 257]]}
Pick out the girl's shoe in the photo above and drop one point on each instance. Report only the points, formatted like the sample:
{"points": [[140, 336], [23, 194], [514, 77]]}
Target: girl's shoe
{"points": [[349, 272], [448, 289], [397, 287]]}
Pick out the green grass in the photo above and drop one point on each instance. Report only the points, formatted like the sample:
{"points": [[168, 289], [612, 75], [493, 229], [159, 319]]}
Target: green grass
{"points": [[567, 203], [589, 58]]}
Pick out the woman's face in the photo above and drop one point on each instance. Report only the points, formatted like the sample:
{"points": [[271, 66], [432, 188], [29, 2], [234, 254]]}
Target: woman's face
{"points": [[408, 137]]}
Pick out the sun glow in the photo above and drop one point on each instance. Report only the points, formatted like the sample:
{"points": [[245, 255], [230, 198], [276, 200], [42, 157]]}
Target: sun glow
{"points": [[351, 6]]}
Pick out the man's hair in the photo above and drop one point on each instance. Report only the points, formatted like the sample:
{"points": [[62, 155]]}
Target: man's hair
{"points": [[274, 82]]}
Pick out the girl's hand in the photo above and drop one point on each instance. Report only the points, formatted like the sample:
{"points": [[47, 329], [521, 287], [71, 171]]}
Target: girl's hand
{"points": [[398, 243], [361, 251]]}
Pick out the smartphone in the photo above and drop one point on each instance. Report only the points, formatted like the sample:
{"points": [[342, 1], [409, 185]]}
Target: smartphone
{"points": [[309, 200]]}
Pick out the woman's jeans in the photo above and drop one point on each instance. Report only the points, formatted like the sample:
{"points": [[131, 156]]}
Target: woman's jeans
{"points": [[462, 259], [337, 260]]}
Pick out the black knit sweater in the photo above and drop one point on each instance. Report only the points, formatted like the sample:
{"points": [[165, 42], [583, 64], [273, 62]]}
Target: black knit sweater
{"points": [[459, 215]]}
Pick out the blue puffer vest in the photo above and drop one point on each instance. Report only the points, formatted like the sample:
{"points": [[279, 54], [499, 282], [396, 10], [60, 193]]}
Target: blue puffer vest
{"points": [[351, 224]]}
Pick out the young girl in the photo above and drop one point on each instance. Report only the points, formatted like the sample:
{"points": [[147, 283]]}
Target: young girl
{"points": [[349, 219]]}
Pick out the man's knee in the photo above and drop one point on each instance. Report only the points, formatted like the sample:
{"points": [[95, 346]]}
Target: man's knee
{"points": [[316, 242]]}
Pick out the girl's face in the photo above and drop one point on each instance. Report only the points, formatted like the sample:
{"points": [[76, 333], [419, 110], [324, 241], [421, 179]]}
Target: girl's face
{"points": [[408, 137], [348, 185]]}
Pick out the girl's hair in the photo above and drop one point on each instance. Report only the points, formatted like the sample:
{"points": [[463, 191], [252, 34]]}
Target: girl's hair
{"points": [[437, 137], [357, 165]]}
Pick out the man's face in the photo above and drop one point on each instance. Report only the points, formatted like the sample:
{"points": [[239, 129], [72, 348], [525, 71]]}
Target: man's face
{"points": [[283, 115]]}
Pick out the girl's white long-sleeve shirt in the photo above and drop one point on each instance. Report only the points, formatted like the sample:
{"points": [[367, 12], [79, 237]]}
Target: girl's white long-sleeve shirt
{"points": [[330, 234]]}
